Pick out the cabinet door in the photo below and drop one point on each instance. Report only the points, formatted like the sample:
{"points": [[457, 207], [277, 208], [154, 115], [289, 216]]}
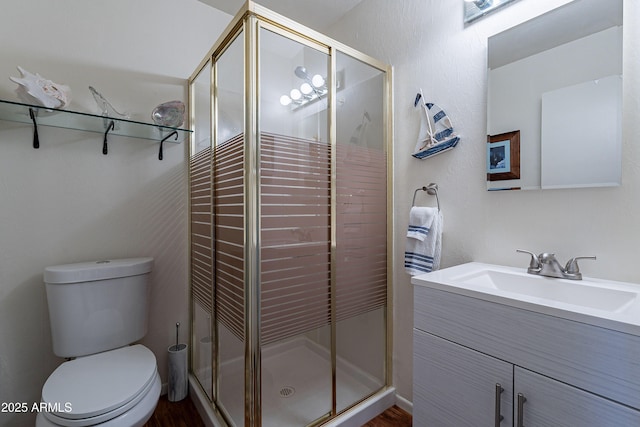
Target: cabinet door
{"points": [[552, 403], [455, 386]]}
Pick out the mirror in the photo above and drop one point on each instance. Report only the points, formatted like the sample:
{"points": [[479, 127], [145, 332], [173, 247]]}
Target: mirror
{"points": [[554, 101]]}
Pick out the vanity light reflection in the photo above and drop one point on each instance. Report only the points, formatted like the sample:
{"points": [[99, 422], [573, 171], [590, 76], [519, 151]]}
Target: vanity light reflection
{"points": [[313, 88]]}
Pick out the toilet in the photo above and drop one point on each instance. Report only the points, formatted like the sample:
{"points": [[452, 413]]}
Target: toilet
{"points": [[97, 310]]}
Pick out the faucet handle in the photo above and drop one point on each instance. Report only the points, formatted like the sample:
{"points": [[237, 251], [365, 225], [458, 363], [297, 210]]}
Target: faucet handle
{"points": [[534, 264], [572, 265]]}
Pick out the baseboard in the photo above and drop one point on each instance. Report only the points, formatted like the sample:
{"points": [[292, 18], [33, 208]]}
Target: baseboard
{"points": [[404, 404]]}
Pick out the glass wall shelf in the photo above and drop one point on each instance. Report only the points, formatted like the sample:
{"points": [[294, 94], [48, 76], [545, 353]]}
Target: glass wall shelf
{"points": [[18, 112]]}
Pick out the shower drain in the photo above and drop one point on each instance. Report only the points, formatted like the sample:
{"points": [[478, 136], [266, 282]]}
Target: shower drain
{"points": [[287, 391]]}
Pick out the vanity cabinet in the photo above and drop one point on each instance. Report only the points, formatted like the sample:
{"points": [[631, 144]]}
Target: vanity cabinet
{"points": [[479, 363], [456, 386], [552, 403]]}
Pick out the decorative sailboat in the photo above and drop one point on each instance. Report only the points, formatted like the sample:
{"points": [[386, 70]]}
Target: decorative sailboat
{"points": [[436, 131]]}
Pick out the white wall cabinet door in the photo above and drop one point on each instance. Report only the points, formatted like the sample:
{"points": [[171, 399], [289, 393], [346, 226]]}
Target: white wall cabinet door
{"points": [[555, 404], [456, 387]]}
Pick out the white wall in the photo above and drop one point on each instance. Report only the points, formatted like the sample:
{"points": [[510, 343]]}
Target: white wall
{"points": [[430, 48], [66, 202]]}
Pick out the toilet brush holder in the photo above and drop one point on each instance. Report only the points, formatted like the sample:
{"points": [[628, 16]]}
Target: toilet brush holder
{"points": [[178, 380]]}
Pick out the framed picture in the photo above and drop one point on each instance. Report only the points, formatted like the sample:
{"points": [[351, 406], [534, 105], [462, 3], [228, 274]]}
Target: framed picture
{"points": [[503, 156]]}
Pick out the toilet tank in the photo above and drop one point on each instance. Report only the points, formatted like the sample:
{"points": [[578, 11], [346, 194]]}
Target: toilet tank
{"points": [[97, 306]]}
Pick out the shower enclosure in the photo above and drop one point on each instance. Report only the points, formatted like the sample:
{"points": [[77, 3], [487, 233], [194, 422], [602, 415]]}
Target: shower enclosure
{"points": [[290, 195]]}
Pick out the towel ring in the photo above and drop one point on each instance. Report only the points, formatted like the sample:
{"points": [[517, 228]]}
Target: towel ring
{"points": [[431, 189]]}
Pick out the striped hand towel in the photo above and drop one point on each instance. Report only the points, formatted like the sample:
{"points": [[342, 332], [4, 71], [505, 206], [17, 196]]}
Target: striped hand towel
{"points": [[424, 240]]}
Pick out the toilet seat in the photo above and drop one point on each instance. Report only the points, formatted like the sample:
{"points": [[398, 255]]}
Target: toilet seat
{"points": [[100, 387]]}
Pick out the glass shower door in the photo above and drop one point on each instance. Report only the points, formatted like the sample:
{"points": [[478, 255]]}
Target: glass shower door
{"points": [[201, 227], [229, 225], [295, 247], [361, 238]]}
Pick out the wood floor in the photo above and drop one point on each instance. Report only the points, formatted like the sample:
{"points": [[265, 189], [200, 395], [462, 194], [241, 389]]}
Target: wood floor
{"points": [[184, 414], [175, 414], [393, 416]]}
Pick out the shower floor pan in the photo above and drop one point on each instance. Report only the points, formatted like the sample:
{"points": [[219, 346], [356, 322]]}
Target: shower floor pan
{"points": [[296, 385]]}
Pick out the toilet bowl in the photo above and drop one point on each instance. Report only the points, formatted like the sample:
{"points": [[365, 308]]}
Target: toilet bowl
{"points": [[115, 388], [97, 310]]}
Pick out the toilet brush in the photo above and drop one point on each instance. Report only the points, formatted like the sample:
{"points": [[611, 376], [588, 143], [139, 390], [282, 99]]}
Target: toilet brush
{"points": [[178, 379]]}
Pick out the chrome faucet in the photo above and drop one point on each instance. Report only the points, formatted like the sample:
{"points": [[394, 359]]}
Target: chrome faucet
{"points": [[546, 264]]}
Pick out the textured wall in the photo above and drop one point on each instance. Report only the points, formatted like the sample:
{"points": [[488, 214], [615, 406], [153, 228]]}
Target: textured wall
{"points": [[66, 202], [430, 48]]}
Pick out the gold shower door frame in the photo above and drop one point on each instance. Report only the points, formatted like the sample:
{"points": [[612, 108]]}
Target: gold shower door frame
{"points": [[248, 21]]}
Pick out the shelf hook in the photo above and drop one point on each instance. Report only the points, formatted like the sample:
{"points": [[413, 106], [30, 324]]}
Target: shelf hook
{"points": [[111, 126], [175, 132], [36, 141]]}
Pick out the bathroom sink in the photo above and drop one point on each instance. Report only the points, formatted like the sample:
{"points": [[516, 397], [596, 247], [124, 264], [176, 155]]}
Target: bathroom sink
{"points": [[610, 304], [583, 293]]}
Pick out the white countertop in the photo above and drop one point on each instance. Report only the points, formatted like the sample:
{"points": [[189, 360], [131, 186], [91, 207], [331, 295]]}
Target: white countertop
{"points": [[608, 304]]}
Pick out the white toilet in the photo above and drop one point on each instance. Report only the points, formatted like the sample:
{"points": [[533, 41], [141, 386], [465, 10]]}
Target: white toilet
{"points": [[97, 309]]}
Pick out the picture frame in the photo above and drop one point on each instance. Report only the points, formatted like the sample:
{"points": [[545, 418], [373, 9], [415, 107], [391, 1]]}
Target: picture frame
{"points": [[503, 156]]}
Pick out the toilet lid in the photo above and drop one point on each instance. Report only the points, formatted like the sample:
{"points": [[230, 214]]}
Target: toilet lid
{"points": [[93, 385]]}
